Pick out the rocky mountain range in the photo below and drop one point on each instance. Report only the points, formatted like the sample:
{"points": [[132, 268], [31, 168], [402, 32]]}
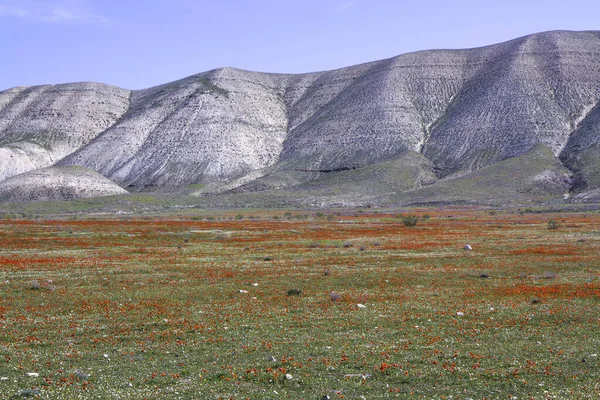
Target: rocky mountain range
{"points": [[519, 119]]}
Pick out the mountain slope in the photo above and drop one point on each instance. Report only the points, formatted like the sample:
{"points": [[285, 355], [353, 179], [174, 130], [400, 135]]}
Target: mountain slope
{"points": [[41, 125], [57, 183], [460, 110]]}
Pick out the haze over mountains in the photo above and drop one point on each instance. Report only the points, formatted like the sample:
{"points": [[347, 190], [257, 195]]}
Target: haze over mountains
{"points": [[521, 118]]}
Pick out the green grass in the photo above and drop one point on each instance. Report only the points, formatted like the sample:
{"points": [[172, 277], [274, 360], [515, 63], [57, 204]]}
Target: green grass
{"points": [[177, 308]]}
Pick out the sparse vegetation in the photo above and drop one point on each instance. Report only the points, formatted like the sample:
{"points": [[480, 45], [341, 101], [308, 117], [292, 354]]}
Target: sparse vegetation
{"points": [[134, 317], [552, 224], [410, 220], [212, 88]]}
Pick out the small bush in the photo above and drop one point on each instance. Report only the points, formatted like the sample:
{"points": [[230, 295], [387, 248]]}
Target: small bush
{"points": [[410, 220], [27, 393], [552, 224]]}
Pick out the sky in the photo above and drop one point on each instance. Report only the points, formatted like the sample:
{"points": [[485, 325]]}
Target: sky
{"points": [[138, 44]]}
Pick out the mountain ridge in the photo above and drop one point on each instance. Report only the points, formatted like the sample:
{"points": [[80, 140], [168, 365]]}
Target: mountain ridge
{"points": [[462, 110]]}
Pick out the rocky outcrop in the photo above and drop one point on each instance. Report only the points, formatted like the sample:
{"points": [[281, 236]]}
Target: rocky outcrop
{"points": [[459, 110], [57, 183]]}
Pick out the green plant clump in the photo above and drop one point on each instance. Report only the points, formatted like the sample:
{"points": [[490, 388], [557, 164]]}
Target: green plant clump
{"points": [[552, 224], [410, 220]]}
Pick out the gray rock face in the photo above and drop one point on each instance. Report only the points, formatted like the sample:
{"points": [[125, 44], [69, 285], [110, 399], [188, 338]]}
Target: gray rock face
{"points": [[41, 125], [529, 91], [212, 126], [57, 183], [461, 110]]}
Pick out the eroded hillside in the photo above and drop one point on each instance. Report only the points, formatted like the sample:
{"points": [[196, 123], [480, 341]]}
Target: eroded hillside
{"points": [[419, 119]]}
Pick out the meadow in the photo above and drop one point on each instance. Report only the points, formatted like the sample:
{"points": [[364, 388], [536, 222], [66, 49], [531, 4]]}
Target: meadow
{"points": [[206, 306]]}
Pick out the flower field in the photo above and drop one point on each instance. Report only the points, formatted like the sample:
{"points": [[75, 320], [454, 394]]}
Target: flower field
{"points": [[205, 307]]}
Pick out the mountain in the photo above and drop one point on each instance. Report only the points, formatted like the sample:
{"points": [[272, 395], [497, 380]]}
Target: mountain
{"points": [[57, 183], [406, 128]]}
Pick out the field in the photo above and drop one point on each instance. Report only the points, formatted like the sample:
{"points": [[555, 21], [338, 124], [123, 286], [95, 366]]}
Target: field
{"points": [[206, 306]]}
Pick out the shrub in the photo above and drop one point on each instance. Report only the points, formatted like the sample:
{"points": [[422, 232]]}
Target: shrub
{"points": [[410, 220], [552, 224]]}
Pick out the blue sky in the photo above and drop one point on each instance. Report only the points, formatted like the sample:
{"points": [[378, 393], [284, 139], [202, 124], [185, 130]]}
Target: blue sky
{"points": [[138, 44]]}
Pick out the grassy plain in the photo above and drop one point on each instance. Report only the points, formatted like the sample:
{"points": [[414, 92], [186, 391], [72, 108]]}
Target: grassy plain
{"points": [[198, 308]]}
